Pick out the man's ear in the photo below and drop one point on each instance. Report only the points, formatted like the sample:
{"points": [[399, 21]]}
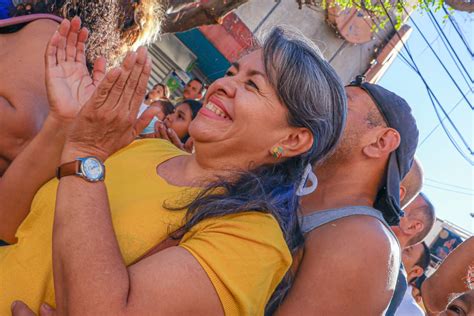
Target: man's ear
{"points": [[416, 271], [385, 141], [415, 226], [403, 192], [299, 141]]}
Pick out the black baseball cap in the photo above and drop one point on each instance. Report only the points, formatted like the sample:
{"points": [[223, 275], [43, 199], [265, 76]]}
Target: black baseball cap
{"points": [[397, 114]]}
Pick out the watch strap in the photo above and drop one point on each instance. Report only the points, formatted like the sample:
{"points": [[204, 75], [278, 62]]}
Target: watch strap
{"points": [[68, 169]]}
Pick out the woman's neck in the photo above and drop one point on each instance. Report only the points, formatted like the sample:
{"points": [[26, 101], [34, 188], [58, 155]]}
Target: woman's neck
{"points": [[188, 171]]}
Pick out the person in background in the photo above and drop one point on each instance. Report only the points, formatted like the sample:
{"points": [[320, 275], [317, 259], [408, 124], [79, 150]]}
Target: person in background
{"points": [[460, 305], [448, 279], [412, 184], [349, 246], [418, 220], [158, 110], [159, 92], [194, 90], [416, 260], [175, 127]]}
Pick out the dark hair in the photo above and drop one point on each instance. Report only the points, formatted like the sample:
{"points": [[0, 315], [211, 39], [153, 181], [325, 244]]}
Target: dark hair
{"points": [[195, 106], [425, 257], [203, 86], [167, 106], [315, 98], [427, 213]]}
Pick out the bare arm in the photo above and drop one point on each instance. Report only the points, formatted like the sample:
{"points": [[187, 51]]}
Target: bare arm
{"points": [[349, 267], [28, 172], [65, 66], [449, 278], [90, 275]]}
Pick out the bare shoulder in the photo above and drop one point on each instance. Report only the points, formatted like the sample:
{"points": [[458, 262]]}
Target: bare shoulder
{"points": [[360, 239], [355, 259], [356, 229]]}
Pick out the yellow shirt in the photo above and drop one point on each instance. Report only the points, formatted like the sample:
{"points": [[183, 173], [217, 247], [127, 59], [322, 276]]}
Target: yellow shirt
{"points": [[244, 255]]}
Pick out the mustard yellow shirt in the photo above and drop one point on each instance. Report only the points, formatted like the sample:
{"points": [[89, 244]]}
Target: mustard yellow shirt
{"points": [[244, 255]]}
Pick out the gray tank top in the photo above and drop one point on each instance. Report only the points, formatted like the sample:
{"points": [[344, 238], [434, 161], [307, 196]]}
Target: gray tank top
{"points": [[320, 218]]}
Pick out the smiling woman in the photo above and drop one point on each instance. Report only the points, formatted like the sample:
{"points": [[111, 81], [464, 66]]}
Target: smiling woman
{"points": [[232, 205]]}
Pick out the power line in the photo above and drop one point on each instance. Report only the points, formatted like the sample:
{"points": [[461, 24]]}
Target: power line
{"points": [[437, 125], [438, 58], [449, 185], [458, 30], [447, 43], [448, 190], [431, 96]]}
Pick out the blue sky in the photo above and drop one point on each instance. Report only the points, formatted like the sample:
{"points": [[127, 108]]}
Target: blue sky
{"points": [[445, 170]]}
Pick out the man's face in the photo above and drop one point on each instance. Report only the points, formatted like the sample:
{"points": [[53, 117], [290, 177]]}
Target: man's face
{"points": [[411, 255], [412, 222], [193, 90]]}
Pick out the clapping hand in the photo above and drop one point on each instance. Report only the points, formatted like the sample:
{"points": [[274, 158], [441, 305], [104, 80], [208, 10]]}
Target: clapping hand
{"points": [[108, 121], [68, 82]]}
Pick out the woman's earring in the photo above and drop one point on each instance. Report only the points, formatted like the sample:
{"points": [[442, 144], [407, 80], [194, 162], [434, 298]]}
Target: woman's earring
{"points": [[277, 152]]}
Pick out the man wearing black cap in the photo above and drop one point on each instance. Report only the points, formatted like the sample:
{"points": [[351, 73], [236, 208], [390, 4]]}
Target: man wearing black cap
{"points": [[351, 257]]}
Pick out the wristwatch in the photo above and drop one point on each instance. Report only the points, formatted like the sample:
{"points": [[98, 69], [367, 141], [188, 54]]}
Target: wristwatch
{"points": [[89, 168]]}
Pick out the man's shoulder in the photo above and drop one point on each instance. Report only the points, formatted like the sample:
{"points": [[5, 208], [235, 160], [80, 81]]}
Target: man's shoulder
{"points": [[361, 233]]}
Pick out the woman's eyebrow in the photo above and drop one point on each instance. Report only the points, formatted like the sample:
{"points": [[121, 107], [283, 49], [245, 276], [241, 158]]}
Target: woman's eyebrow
{"points": [[236, 65], [251, 72]]}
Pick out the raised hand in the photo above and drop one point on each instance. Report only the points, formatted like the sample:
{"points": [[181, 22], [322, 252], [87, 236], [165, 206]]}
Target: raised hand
{"points": [[108, 121], [68, 82]]}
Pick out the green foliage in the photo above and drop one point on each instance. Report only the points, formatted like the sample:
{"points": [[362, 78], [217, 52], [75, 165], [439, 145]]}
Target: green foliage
{"points": [[378, 9]]}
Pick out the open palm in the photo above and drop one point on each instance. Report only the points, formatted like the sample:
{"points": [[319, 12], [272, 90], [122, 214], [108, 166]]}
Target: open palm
{"points": [[68, 82]]}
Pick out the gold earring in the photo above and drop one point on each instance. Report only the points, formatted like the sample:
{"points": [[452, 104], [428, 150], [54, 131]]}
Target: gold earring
{"points": [[277, 152]]}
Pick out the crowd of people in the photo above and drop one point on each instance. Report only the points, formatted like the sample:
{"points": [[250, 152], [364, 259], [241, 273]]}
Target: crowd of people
{"points": [[276, 190]]}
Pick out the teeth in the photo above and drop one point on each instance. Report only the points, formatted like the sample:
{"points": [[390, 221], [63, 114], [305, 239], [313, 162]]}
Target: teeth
{"points": [[214, 108]]}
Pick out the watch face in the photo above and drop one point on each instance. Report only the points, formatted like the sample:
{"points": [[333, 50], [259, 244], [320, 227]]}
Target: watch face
{"points": [[92, 169]]}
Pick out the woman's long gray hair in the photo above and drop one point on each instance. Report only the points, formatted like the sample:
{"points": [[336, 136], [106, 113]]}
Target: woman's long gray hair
{"points": [[314, 95]]}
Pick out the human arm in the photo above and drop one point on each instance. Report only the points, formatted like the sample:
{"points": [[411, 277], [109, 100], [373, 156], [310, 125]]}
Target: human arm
{"points": [[90, 275], [349, 267], [36, 164], [449, 278]]}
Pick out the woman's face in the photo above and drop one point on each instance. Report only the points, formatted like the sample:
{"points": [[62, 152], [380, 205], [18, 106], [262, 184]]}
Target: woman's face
{"points": [[242, 117], [463, 305], [157, 93], [180, 119]]}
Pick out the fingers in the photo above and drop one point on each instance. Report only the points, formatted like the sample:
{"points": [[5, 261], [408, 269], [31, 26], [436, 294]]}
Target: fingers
{"points": [[160, 131], [51, 59], [174, 138], [189, 145], [81, 45], [47, 310], [133, 80], [103, 90], [98, 73], [116, 92], [63, 31], [72, 37], [140, 89], [21, 309]]}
